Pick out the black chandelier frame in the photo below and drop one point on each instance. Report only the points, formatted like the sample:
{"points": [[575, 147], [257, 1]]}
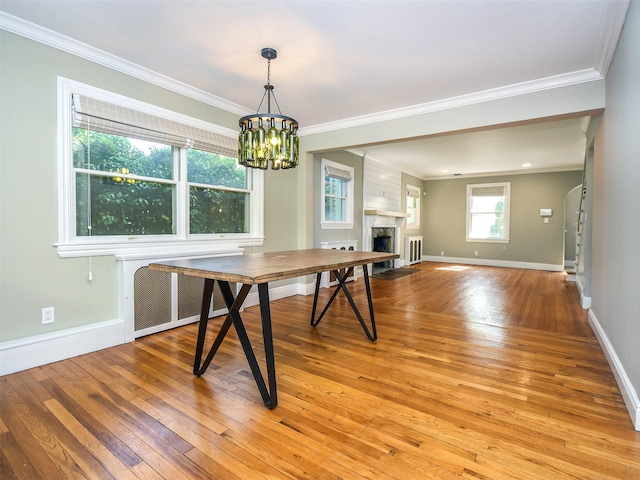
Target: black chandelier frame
{"points": [[268, 138]]}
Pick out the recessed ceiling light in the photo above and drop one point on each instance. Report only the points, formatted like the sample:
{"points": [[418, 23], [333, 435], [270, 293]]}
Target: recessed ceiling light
{"points": [[526, 164], [445, 171]]}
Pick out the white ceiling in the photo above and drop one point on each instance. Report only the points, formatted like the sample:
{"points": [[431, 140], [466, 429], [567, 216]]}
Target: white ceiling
{"points": [[342, 60]]}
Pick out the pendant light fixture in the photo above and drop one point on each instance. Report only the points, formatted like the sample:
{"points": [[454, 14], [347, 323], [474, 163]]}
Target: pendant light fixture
{"points": [[268, 138]]}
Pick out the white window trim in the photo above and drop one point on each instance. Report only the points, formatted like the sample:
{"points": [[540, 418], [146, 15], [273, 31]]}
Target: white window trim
{"points": [[348, 223], [507, 212], [69, 245], [416, 190]]}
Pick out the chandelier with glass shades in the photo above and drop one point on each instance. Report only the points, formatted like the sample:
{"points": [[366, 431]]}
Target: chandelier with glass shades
{"points": [[268, 138]]}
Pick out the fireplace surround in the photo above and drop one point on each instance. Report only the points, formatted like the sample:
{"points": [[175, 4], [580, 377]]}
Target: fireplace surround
{"points": [[381, 234]]}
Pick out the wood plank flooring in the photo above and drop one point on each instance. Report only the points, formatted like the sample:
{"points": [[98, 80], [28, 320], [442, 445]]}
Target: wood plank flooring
{"points": [[477, 373]]}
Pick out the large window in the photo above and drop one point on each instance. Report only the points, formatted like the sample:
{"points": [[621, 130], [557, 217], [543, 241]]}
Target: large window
{"points": [[132, 174], [218, 194], [337, 195], [488, 212], [413, 207]]}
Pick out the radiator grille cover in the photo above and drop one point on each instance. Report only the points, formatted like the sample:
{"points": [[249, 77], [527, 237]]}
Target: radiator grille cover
{"points": [[152, 298], [190, 295], [413, 250]]}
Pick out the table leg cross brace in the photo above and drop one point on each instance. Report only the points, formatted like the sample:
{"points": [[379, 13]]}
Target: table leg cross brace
{"points": [[371, 335]]}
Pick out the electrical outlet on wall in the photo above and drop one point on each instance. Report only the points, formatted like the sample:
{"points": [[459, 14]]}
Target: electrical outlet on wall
{"points": [[47, 315]]}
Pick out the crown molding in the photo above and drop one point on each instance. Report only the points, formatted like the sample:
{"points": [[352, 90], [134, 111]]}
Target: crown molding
{"points": [[48, 37], [613, 23], [548, 83]]}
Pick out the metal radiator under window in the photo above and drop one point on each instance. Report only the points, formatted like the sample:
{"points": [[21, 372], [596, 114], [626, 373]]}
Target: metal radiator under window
{"points": [[164, 300]]}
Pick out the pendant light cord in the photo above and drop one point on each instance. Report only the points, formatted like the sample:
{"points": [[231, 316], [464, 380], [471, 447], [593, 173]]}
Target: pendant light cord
{"points": [[89, 219]]}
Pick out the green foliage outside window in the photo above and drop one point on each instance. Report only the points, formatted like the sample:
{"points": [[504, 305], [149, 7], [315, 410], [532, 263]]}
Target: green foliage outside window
{"points": [[214, 210], [122, 189], [335, 200], [497, 229], [141, 208], [211, 169]]}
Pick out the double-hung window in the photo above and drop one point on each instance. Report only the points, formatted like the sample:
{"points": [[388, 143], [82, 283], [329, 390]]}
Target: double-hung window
{"points": [[488, 212], [337, 195], [134, 175], [413, 207]]}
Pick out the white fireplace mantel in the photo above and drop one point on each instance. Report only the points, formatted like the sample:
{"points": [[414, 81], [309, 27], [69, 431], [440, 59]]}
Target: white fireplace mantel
{"points": [[383, 218], [385, 213]]}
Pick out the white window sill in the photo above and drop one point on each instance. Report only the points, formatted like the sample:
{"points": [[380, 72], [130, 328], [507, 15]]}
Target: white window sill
{"points": [[141, 250], [336, 225], [488, 240]]}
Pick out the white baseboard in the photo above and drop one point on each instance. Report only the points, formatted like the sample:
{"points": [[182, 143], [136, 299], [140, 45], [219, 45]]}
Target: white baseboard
{"points": [[18, 355], [275, 293], [29, 352], [629, 394], [494, 263], [585, 301], [285, 291], [306, 288]]}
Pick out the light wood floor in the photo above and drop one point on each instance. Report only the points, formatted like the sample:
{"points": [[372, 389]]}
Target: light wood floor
{"points": [[478, 373]]}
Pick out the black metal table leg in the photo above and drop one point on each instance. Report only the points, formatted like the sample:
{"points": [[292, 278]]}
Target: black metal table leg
{"points": [[204, 318], [233, 304], [267, 337], [315, 299], [371, 335], [367, 285], [269, 395]]}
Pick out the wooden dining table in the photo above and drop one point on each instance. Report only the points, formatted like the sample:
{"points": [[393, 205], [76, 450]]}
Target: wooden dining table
{"points": [[259, 269]]}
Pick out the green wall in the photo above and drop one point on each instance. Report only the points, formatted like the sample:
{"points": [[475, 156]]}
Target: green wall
{"points": [[333, 235], [32, 274], [443, 214], [531, 240]]}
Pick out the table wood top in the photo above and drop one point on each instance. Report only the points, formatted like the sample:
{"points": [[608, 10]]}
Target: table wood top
{"points": [[257, 268]]}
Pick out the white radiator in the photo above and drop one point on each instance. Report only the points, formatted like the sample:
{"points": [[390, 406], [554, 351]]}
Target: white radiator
{"points": [[328, 278], [152, 301], [413, 249]]}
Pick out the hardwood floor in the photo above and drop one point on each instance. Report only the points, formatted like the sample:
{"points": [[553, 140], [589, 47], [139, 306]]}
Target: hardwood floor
{"points": [[477, 373]]}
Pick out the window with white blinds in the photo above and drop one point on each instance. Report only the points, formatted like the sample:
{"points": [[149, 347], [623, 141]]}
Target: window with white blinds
{"points": [[105, 117], [337, 195], [133, 173], [488, 212]]}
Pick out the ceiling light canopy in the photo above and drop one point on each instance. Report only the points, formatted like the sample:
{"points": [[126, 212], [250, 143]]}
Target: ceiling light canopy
{"points": [[268, 137]]}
